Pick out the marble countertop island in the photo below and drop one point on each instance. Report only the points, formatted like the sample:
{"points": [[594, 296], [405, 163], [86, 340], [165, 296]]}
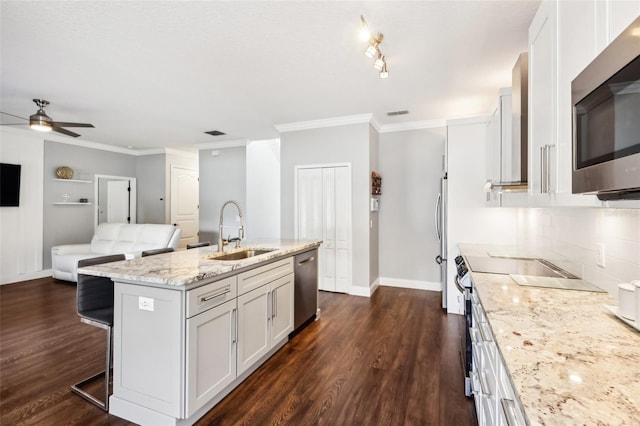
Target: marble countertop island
{"points": [[188, 268], [571, 361]]}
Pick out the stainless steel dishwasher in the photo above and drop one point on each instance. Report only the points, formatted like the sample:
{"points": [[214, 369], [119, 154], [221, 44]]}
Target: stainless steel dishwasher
{"points": [[305, 289]]}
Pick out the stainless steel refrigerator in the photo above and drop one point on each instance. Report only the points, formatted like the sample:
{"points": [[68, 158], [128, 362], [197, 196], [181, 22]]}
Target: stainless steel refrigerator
{"points": [[440, 220]]}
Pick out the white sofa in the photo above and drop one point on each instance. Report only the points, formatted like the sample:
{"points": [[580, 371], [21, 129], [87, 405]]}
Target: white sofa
{"points": [[113, 238]]}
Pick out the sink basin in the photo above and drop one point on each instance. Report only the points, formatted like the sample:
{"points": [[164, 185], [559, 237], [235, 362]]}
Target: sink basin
{"points": [[239, 255]]}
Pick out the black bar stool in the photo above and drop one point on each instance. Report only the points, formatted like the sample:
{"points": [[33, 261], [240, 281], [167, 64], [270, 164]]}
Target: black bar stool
{"points": [[94, 298], [157, 251], [200, 244]]}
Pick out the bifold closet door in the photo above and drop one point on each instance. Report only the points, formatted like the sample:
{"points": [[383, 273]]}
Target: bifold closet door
{"points": [[324, 212]]}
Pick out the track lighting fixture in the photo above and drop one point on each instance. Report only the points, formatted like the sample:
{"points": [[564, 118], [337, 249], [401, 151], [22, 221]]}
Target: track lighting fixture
{"points": [[373, 49]]}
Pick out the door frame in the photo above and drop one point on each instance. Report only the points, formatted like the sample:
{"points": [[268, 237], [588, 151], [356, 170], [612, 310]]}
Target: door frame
{"points": [[173, 199], [133, 196], [295, 207]]}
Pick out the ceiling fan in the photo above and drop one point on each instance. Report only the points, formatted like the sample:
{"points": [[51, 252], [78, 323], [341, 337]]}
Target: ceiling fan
{"points": [[42, 122]]}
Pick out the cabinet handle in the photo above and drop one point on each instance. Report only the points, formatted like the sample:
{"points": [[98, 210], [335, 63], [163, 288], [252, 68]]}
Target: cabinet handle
{"points": [[483, 385], [482, 333], [508, 408], [220, 292], [269, 306], [274, 303], [234, 325], [310, 259], [542, 170], [545, 168]]}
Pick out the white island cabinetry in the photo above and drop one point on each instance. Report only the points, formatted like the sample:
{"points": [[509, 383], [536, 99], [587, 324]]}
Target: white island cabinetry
{"points": [[211, 341], [265, 313], [177, 353]]}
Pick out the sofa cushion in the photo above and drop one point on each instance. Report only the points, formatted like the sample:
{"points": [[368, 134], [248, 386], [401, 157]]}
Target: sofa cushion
{"points": [[136, 238]]}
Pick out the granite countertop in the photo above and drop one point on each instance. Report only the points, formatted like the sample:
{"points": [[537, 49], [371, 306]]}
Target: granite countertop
{"points": [[185, 267], [571, 361]]}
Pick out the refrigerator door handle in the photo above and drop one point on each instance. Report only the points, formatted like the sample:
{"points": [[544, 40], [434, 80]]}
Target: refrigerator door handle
{"points": [[437, 217]]}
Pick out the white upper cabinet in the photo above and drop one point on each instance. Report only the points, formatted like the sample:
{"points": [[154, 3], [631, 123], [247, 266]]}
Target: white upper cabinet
{"points": [[620, 15], [564, 37], [542, 99]]}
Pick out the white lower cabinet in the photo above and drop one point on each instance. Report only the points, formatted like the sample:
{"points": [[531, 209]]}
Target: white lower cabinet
{"points": [[265, 318], [494, 396], [211, 354]]}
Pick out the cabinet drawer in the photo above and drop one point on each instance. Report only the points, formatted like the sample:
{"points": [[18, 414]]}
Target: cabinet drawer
{"points": [[262, 275], [210, 295]]}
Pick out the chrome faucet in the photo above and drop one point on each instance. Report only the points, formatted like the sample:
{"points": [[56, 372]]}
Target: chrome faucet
{"points": [[221, 241]]}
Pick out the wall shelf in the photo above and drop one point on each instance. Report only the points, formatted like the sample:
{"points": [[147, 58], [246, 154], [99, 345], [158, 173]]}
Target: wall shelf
{"points": [[74, 180], [70, 203]]}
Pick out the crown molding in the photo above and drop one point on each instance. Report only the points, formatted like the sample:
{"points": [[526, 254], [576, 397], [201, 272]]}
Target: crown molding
{"points": [[413, 125], [468, 120], [327, 122], [222, 144], [375, 124]]}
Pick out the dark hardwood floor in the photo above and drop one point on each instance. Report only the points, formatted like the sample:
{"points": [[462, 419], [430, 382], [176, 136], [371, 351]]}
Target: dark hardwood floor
{"points": [[393, 359]]}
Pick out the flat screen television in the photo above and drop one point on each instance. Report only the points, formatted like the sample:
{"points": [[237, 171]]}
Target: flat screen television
{"points": [[9, 185]]}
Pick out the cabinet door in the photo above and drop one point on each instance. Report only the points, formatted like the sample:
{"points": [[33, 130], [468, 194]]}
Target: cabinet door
{"points": [[282, 311], [542, 93], [253, 326], [211, 352]]}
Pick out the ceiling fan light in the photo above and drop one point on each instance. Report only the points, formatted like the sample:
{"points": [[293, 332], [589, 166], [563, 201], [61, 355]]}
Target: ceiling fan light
{"points": [[40, 122], [379, 63]]}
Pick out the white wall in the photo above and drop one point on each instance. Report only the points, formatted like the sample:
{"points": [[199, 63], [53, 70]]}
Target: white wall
{"points": [[411, 168], [569, 238], [263, 190], [21, 227], [340, 144], [469, 220], [222, 177]]}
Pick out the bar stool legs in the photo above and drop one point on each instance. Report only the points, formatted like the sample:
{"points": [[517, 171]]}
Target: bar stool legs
{"points": [[77, 387]]}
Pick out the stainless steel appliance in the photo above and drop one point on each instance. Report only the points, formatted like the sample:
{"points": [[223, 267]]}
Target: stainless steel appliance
{"points": [[305, 292], [606, 121], [440, 220], [463, 282]]}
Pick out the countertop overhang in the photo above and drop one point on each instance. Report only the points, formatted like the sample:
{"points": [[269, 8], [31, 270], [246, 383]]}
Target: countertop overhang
{"points": [[570, 359], [185, 269]]}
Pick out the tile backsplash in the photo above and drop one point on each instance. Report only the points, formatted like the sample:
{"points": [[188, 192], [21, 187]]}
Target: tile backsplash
{"points": [[572, 238]]}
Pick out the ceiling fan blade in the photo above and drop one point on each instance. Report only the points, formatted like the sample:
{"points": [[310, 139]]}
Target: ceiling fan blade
{"points": [[16, 116], [64, 131], [63, 124]]}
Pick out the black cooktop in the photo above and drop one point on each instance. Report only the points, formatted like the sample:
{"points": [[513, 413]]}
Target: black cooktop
{"points": [[512, 266]]}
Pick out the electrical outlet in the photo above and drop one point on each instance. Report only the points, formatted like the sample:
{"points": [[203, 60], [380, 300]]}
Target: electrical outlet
{"points": [[145, 303], [600, 257]]}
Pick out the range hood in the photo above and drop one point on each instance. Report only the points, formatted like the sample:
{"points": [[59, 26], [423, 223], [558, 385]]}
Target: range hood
{"points": [[514, 152]]}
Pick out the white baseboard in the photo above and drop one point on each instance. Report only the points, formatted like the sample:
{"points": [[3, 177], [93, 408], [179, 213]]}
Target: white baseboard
{"points": [[414, 284], [26, 277], [360, 291]]}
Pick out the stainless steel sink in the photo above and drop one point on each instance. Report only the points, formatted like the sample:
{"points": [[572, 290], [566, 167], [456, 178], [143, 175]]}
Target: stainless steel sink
{"points": [[239, 255]]}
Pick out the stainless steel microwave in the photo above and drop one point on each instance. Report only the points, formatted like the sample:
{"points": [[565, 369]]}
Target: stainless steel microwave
{"points": [[606, 121]]}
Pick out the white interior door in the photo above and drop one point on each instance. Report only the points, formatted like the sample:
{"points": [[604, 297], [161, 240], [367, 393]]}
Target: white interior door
{"points": [[328, 267], [342, 228], [118, 201], [185, 200], [323, 211]]}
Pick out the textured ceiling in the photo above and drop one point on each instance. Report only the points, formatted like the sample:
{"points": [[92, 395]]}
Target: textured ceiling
{"points": [[160, 74]]}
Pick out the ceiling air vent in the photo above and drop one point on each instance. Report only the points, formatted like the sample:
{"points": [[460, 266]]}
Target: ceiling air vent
{"points": [[394, 113], [215, 133]]}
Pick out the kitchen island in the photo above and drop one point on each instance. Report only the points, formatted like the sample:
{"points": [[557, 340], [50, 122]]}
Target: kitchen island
{"points": [[569, 359], [189, 327]]}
